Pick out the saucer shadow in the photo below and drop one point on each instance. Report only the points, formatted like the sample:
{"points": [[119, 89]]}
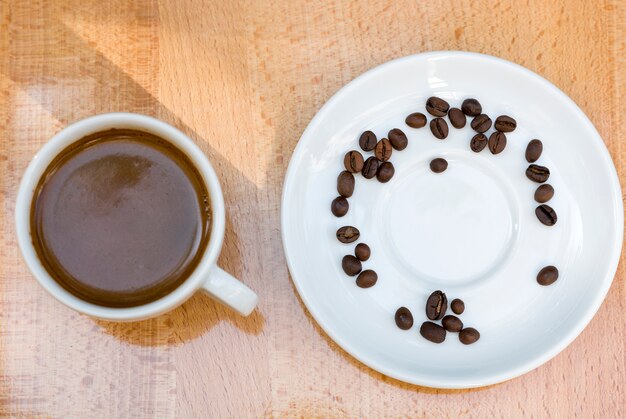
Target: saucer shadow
{"points": [[289, 127], [192, 319], [375, 374]]}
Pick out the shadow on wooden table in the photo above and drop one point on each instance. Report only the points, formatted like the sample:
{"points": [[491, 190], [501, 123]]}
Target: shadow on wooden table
{"points": [[307, 104], [372, 373], [189, 321], [108, 88]]}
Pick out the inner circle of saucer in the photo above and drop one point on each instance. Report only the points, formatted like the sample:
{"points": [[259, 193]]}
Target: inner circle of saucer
{"points": [[466, 219]]}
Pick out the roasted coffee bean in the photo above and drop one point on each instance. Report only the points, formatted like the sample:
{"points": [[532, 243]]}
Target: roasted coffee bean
{"points": [[416, 120], [383, 150], [457, 118], [544, 193], [362, 252], [433, 332], [548, 275], [469, 335], [404, 318], [438, 165], [385, 172], [478, 143], [481, 123], [348, 234], [497, 142], [398, 139], [370, 168], [351, 265], [457, 306], [353, 161], [367, 141], [471, 107], [546, 215], [345, 184], [505, 123], [452, 323], [439, 128], [533, 150], [367, 279], [339, 206], [436, 305], [436, 106], [537, 173]]}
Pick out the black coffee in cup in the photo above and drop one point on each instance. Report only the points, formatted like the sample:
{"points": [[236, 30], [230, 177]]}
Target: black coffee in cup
{"points": [[120, 218]]}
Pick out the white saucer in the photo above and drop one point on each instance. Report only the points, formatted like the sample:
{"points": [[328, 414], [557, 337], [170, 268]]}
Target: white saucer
{"points": [[470, 231]]}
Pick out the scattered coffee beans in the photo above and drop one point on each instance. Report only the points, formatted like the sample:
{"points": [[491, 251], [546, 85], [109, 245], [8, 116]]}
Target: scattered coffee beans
{"points": [[353, 161], [548, 275], [436, 106], [537, 173], [383, 150], [457, 118], [433, 332], [478, 143], [398, 139], [452, 323], [471, 107], [533, 150], [404, 318], [339, 207], [505, 123], [367, 279], [544, 193], [436, 305], [438, 165], [416, 120], [497, 142], [385, 172], [348, 234], [439, 128], [481, 123], [379, 165], [546, 215], [457, 306], [345, 184], [469, 335], [367, 141], [370, 168], [351, 265], [362, 252]]}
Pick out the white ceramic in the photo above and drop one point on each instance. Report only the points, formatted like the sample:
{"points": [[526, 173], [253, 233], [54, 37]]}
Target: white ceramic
{"points": [[469, 231], [207, 275]]}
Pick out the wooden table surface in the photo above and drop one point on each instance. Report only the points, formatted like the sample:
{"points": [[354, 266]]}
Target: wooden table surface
{"points": [[243, 79]]}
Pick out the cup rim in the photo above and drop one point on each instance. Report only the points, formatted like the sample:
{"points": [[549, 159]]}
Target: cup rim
{"points": [[75, 132]]}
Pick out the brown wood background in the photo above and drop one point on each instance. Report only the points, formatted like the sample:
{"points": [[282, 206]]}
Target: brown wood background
{"points": [[243, 79]]}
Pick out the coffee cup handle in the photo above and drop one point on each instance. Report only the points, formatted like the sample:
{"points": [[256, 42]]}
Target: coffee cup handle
{"points": [[228, 290]]}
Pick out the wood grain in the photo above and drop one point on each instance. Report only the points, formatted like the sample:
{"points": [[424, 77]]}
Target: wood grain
{"points": [[243, 79]]}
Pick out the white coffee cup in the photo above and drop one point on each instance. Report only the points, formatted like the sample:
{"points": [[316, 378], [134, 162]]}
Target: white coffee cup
{"points": [[207, 276]]}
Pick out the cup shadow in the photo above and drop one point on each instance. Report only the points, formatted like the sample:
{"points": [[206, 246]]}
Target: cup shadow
{"points": [[200, 313], [192, 319]]}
